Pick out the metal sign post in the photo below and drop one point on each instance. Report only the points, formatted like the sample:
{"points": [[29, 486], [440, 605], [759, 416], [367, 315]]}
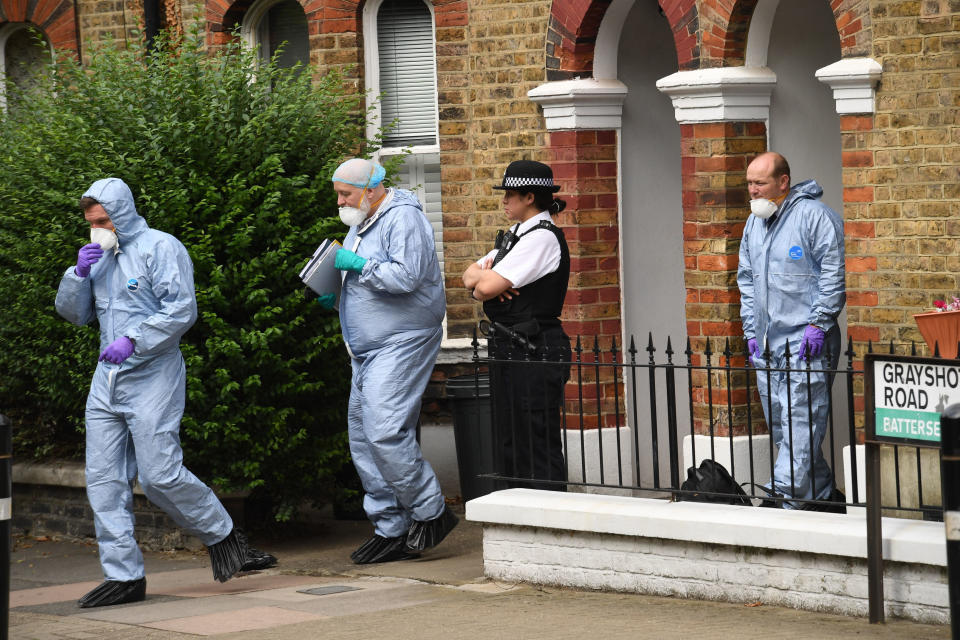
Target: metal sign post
{"points": [[950, 477], [6, 491], [904, 397]]}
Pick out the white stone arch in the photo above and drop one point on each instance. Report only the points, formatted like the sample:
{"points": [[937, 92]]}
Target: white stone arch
{"points": [[252, 29], [7, 30], [371, 63]]}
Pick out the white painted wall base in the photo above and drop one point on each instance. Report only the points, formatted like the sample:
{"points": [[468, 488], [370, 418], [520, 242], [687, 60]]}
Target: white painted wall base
{"points": [[740, 469], [805, 560], [439, 449], [589, 444]]}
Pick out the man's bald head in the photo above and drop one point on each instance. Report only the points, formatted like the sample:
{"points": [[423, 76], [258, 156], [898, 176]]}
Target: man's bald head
{"points": [[768, 176]]}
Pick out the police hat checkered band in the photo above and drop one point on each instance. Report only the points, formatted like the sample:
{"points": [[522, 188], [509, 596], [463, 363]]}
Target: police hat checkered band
{"points": [[512, 182]]}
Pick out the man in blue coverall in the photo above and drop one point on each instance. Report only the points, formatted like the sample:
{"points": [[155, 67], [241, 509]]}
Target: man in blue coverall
{"points": [[792, 288], [391, 313], [137, 282]]}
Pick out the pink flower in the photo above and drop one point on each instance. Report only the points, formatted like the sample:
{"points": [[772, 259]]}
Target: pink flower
{"points": [[940, 305]]}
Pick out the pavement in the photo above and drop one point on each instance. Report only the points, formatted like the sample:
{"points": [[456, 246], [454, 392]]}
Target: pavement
{"points": [[316, 592]]}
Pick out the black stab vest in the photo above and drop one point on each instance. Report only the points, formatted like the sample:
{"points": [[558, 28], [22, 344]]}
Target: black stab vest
{"points": [[540, 300]]}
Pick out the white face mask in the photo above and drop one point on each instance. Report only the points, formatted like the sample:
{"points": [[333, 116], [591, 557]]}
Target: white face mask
{"points": [[104, 237], [763, 208], [352, 216]]}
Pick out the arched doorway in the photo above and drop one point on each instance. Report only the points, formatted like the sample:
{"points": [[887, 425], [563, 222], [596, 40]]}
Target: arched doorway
{"points": [[804, 125], [651, 212]]}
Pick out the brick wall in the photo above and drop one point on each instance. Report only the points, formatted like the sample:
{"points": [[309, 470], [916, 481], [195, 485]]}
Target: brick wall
{"points": [[584, 164], [714, 163], [65, 512], [493, 125], [725, 573], [902, 173]]}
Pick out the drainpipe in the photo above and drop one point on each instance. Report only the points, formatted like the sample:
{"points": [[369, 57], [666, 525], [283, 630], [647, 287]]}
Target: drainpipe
{"points": [[76, 26], [151, 21]]}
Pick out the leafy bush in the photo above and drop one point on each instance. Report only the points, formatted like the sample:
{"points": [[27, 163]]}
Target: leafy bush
{"points": [[232, 158]]}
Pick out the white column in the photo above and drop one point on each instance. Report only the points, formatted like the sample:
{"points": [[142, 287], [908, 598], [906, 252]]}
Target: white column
{"points": [[725, 94], [854, 82], [580, 104]]}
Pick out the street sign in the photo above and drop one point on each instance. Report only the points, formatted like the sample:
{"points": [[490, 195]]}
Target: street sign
{"points": [[905, 396]]}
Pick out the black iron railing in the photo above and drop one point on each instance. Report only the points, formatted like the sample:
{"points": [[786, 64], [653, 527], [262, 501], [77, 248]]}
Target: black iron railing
{"points": [[637, 423]]}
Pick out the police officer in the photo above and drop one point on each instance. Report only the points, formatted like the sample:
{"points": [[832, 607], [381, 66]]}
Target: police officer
{"points": [[522, 283]]}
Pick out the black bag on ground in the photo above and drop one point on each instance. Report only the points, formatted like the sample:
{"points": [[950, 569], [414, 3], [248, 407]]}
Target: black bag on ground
{"points": [[712, 478]]}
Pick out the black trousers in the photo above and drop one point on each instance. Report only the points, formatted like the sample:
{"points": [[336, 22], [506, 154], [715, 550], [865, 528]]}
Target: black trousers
{"points": [[527, 398]]}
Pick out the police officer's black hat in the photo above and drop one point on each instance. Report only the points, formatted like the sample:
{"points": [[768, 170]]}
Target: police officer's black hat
{"points": [[528, 175]]}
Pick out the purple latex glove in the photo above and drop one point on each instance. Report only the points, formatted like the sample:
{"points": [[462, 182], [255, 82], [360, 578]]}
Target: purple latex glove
{"points": [[812, 344], [89, 254], [118, 350], [753, 348]]}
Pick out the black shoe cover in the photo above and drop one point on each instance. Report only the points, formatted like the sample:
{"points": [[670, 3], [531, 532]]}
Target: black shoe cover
{"points": [[380, 549], [257, 560], [114, 592], [424, 535], [228, 556]]}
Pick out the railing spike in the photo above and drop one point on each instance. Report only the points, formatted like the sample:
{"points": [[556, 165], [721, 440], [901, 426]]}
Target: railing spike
{"points": [[669, 351]]}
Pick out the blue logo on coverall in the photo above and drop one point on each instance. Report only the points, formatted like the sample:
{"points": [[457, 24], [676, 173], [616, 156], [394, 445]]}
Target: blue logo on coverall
{"points": [[796, 252], [132, 284]]}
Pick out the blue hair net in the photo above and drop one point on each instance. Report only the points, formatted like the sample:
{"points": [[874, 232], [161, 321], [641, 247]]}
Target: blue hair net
{"points": [[359, 172]]}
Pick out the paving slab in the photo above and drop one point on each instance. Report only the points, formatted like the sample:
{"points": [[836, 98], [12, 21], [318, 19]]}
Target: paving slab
{"points": [[242, 620]]}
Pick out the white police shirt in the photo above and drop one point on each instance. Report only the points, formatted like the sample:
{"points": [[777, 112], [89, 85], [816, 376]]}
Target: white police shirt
{"points": [[531, 258]]}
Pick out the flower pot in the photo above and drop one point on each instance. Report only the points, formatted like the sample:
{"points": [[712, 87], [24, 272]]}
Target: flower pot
{"points": [[941, 328]]}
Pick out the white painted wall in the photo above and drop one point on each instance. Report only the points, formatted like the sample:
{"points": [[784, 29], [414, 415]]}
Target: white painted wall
{"points": [[651, 215], [800, 559]]}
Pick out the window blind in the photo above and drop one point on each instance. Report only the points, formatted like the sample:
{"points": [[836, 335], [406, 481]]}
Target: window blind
{"points": [[287, 24], [408, 82], [420, 173]]}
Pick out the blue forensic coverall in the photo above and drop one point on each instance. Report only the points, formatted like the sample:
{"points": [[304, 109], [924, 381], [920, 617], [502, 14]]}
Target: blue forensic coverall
{"points": [[143, 290], [791, 275], [391, 314]]}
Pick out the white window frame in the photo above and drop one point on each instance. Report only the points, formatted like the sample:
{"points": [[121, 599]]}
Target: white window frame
{"points": [[371, 62], [254, 30], [6, 31]]}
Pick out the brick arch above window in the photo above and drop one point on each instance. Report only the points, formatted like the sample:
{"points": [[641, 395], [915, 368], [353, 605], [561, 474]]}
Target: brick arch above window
{"points": [[56, 19], [323, 16], [574, 25], [725, 41]]}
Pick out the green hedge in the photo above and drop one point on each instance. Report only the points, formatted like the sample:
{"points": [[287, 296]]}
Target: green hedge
{"points": [[234, 159]]}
